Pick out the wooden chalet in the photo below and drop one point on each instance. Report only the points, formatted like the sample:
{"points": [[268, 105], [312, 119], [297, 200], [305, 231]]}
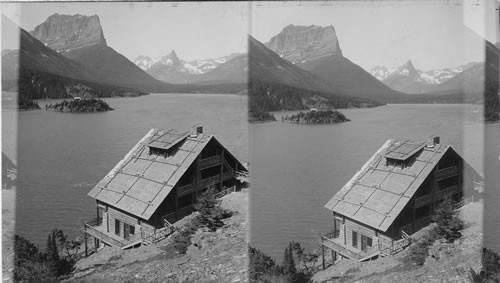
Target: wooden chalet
{"points": [[394, 195], [157, 184]]}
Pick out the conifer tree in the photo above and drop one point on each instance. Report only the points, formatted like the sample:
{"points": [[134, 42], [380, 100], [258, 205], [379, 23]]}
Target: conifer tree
{"points": [[448, 222]]}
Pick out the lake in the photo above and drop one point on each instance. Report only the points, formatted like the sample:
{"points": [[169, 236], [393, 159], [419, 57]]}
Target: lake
{"points": [[296, 169], [61, 156]]}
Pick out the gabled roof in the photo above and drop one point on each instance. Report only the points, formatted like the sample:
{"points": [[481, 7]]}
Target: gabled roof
{"points": [[377, 194], [140, 182]]}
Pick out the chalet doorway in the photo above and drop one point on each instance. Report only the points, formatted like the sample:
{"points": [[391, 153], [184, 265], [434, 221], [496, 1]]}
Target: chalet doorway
{"points": [[128, 231], [364, 243]]}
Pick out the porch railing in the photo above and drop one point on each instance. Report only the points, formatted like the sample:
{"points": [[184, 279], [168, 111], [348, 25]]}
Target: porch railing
{"points": [[90, 228], [225, 192], [447, 172], [328, 241], [420, 201], [183, 190], [463, 202], [419, 224], [210, 160], [443, 193], [158, 234], [395, 246]]}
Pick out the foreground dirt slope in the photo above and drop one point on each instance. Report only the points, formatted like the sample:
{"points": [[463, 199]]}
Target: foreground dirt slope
{"points": [[213, 257], [446, 262]]}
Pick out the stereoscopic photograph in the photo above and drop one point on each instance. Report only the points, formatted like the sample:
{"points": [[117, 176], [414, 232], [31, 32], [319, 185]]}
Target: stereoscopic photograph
{"points": [[278, 141], [367, 141], [132, 155]]}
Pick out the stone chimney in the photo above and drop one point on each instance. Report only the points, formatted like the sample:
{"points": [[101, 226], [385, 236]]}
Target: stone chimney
{"points": [[195, 131], [433, 141]]}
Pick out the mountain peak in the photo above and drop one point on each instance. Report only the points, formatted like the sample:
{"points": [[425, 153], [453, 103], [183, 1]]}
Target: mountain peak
{"points": [[408, 69], [172, 55], [299, 44], [67, 32]]}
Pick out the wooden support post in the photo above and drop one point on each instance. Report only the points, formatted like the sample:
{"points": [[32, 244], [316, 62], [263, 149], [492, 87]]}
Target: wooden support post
{"points": [[222, 169], [96, 242], [323, 252], [413, 217], [85, 239], [333, 257]]}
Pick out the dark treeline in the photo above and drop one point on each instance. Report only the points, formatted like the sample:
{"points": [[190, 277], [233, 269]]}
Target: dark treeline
{"points": [[316, 117], [270, 96], [34, 265], [27, 104], [83, 105], [37, 85], [297, 266]]}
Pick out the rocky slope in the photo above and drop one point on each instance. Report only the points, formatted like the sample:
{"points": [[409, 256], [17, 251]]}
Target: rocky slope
{"points": [[445, 263], [64, 33], [299, 44], [317, 50], [213, 257]]}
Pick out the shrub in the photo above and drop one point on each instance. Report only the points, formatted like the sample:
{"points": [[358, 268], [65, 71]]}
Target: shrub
{"points": [[182, 239], [211, 213], [448, 222], [420, 250]]}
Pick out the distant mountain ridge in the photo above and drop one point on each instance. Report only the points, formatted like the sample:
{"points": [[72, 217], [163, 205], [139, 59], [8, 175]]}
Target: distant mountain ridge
{"points": [[171, 69], [408, 79]]}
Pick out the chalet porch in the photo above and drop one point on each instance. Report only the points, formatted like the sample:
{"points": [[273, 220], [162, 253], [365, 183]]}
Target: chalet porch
{"points": [[96, 229], [335, 244]]}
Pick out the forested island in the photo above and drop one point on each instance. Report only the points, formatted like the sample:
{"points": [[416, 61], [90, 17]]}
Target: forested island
{"points": [[80, 105], [260, 116], [27, 104], [316, 117]]}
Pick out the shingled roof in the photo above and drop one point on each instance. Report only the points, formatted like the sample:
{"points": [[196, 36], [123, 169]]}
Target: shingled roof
{"points": [[140, 182], [377, 194]]}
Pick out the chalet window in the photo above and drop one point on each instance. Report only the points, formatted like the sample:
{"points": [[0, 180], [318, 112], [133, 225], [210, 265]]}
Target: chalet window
{"points": [[355, 239], [117, 227], [369, 242], [336, 228], [132, 230]]}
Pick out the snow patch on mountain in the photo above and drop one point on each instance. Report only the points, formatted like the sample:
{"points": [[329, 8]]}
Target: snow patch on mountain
{"points": [[435, 76]]}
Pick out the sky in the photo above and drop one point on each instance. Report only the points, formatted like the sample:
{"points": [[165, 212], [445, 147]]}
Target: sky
{"points": [[194, 30], [429, 33], [388, 33]]}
